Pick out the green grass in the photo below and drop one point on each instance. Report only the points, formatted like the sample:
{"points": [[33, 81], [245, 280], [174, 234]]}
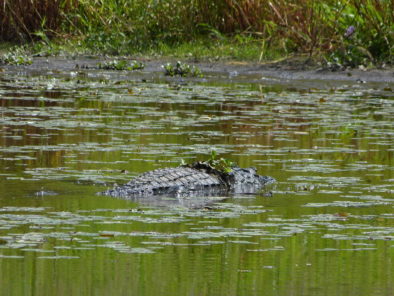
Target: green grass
{"points": [[200, 29], [234, 48]]}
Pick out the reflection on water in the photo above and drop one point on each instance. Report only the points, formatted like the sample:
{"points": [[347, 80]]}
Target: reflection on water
{"points": [[328, 229]]}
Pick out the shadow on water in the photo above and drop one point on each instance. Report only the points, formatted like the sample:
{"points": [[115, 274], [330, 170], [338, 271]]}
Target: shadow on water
{"points": [[328, 229]]}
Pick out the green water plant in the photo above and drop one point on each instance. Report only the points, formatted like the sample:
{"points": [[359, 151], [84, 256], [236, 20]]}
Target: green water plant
{"points": [[121, 65], [213, 163], [181, 69], [220, 164], [16, 56], [349, 56]]}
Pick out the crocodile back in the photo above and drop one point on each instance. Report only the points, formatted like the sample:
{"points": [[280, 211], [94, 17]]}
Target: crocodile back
{"points": [[179, 181]]}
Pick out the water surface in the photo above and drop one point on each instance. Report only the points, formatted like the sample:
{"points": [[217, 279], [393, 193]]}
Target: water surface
{"points": [[327, 229]]}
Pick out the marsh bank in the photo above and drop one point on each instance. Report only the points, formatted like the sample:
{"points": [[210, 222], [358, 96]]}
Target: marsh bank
{"points": [[285, 72]]}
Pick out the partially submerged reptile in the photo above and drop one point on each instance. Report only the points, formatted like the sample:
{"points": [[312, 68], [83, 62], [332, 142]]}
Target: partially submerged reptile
{"points": [[193, 180]]}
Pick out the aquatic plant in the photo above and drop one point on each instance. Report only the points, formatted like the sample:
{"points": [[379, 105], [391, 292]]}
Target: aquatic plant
{"points": [[16, 56], [181, 69], [220, 164], [121, 65]]}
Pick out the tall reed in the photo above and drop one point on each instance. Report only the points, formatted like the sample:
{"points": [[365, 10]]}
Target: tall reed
{"points": [[117, 26], [20, 19]]}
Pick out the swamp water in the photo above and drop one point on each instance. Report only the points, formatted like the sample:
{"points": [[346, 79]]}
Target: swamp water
{"points": [[327, 229]]}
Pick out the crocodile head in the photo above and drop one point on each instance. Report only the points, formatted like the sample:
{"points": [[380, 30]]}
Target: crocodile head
{"points": [[246, 180]]}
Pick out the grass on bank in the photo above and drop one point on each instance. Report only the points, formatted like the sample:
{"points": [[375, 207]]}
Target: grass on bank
{"points": [[238, 48], [231, 29]]}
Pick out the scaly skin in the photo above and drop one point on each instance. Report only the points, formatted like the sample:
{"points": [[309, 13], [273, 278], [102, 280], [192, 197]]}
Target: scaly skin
{"points": [[198, 179]]}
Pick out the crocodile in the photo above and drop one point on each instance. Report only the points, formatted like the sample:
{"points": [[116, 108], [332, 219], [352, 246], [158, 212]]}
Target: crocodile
{"points": [[193, 180]]}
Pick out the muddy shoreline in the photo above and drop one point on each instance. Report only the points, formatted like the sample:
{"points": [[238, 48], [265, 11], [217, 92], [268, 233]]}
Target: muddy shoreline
{"points": [[283, 72]]}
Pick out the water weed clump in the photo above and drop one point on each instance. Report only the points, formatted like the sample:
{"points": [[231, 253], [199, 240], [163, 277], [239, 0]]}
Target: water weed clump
{"points": [[220, 164], [121, 65], [181, 69], [16, 56]]}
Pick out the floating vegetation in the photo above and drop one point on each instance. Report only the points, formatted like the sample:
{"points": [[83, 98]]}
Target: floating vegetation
{"points": [[273, 230], [347, 204], [58, 257], [11, 256], [181, 69], [220, 164], [276, 248], [68, 136], [22, 209], [339, 250], [16, 56], [121, 65]]}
